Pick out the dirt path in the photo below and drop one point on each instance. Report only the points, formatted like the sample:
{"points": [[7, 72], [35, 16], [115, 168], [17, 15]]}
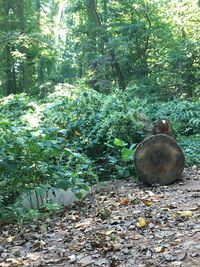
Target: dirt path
{"points": [[118, 224]]}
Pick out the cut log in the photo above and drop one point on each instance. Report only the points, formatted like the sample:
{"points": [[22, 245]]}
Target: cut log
{"points": [[159, 160]]}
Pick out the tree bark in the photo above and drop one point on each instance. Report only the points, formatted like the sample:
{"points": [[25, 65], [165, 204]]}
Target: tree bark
{"points": [[11, 86], [114, 62], [24, 64], [159, 160], [40, 64], [10, 72]]}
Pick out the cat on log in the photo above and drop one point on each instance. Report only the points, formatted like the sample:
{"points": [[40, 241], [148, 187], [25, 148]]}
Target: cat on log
{"points": [[163, 127]]}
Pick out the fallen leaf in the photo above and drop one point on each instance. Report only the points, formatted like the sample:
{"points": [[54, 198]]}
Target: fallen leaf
{"points": [[109, 232], [136, 236], [38, 245], [182, 256], [72, 258], [147, 202], [141, 222], [177, 263], [159, 249], [150, 193], [10, 239], [186, 213], [84, 224], [18, 262], [124, 201], [85, 261]]}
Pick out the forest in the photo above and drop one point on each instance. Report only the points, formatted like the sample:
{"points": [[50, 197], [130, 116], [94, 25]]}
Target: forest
{"points": [[82, 83]]}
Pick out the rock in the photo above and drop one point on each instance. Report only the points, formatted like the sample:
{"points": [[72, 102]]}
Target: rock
{"points": [[131, 227], [34, 199], [169, 257], [86, 261], [101, 262], [72, 258]]}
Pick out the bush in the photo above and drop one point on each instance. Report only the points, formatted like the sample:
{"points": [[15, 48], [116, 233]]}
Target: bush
{"points": [[75, 139], [191, 149], [29, 158], [183, 114], [91, 121]]}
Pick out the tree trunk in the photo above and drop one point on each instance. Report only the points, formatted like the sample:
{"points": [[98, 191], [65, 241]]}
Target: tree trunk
{"points": [[23, 50], [114, 63], [159, 160], [10, 76], [9, 62], [40, 64], [40, 72]]}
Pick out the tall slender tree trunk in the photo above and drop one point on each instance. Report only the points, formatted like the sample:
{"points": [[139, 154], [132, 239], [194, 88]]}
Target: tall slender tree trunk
{"points": [[115, 65], [24, 64], [10, 75], [40, 64], [9, 62]]}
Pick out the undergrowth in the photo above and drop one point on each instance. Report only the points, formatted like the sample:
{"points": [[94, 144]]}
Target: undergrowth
{"points": [[74, 140]]}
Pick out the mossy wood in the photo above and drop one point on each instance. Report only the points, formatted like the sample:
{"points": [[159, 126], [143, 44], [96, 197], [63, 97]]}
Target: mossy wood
{"points": [[159, 160]]}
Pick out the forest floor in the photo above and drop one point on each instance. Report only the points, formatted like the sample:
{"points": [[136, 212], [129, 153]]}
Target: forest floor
{"points": [[119, 223]]}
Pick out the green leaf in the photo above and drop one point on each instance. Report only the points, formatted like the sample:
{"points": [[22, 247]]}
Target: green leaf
{"points": [[127, 154], [71, 153], [15, 129], [132, 146], [120, 143]]}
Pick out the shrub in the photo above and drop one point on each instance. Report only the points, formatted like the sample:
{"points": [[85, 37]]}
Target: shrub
{"points": [[191, 149], [29, 158], [183, 114]]}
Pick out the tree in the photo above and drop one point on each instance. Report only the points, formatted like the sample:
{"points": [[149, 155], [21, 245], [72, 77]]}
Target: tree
{"points": [[9, 69], [23, 50], [114, 62]]}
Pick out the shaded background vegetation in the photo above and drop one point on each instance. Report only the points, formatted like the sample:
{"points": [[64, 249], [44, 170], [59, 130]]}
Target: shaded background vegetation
{"points": [[82, 82], [150, 44]]}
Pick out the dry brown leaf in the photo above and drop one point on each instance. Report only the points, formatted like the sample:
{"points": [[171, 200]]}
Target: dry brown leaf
{"points": [[124, 201], [136, 236], [18, 262], [39, 244], [84, 224]]}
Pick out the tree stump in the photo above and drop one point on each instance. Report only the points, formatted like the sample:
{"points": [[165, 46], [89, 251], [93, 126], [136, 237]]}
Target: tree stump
{"points": [[159, 160]]}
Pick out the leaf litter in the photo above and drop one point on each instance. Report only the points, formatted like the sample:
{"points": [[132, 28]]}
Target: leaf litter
{"points": [[129, 225]]}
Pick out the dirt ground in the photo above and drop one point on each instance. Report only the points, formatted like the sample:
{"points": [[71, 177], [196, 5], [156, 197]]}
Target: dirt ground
{"points": [[119, 224]]}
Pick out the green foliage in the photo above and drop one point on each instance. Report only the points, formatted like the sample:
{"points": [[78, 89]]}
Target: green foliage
{"points": [[121, 157], [93, 118], [71, 140], [69, 132], [108, 44], [68, 137], [183, 114], [92, 121], [14, 107], [191, 149], [33, 156]]}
